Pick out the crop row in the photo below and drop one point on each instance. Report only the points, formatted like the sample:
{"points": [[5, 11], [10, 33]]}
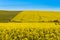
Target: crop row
{"points": [[30, 34]]}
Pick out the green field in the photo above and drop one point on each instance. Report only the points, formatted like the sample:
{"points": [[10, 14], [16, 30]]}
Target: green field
{"points": [[6, 16]]}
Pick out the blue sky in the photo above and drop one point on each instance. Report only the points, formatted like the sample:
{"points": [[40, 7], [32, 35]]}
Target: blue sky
{"points": [[29, 4]]}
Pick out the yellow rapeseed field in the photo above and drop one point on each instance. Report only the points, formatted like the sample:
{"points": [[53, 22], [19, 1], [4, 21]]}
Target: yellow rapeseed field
{"points": [[29, 31], [32, 25], [36, 16]]}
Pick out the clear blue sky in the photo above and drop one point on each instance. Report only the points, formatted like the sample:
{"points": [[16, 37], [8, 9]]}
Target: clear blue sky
{"points": [[30, 4]]}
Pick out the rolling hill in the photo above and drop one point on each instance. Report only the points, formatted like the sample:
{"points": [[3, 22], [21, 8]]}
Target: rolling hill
{"points": [[29, 16], [36, 16]]}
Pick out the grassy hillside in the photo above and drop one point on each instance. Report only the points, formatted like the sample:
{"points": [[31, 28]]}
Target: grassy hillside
{"points": [[36, 16], [6, 16]]}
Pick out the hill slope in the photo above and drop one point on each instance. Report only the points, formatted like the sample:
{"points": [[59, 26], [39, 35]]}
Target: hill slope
{"points": [[36, 16], [6, 16]]}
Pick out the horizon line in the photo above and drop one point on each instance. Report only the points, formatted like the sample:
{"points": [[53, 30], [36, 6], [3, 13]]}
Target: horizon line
{"points": [[27, 10]]}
